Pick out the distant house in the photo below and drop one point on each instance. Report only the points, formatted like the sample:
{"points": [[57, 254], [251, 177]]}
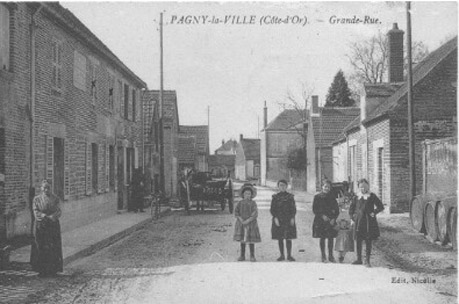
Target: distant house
{"points": [[171, 129], [247, 159], [378, 141], [187, 152], [200, 133], [220, 165], [227, 148], [281, 136], [325, 125]]}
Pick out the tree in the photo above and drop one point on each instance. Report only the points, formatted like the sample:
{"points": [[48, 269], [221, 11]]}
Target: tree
{"points": [[368, 59], [339, 94]]}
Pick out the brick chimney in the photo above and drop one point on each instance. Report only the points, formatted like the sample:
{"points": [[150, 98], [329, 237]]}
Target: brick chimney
{"points": [[265, 116], [395, 61], [315, 106], [240, 137]]}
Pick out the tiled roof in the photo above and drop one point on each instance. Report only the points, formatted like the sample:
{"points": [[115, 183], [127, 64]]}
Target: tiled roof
{"points": [[420, 71], [227, 146], [219, 160], [186, 149], [381, 89], [170, 102], [200, 133], [251, 149], [287, 120], [328, 127]]}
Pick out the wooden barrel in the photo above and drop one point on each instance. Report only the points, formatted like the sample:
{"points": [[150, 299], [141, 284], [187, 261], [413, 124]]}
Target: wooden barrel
{"points": [[452, 226], [441, 216], [417, 214], [429, 221]]}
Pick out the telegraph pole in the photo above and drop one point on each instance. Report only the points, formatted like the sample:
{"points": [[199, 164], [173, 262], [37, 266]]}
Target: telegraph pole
{"points": [[410, 105], [161, 108]]}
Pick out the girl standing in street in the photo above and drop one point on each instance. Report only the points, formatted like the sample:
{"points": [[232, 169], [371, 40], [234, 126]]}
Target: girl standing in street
{"points": [[363, 212], [246, 228], [283, 210], [325, 208], [46, 254]]}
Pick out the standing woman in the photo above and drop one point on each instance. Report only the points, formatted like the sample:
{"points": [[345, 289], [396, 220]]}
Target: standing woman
{"points": [[283, 210], [363, 212], [46, 254], [326, 210]]}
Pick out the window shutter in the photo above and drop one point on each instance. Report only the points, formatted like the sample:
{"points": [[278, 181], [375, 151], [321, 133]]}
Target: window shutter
{"points": [[107, 167], [66, 169], [100, 169], [49, 160], [88, 169], [115, 166]]}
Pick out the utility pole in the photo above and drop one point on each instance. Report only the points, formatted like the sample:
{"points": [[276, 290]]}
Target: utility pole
{"points": [[161, 109], [410, 105]]}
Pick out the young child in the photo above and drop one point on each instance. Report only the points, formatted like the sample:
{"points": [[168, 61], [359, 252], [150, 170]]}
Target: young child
{"points": [[246, 228], [344, 240]]}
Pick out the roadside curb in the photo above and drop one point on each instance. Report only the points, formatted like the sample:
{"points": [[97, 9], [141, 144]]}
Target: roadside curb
{"points": [[110, 240]]}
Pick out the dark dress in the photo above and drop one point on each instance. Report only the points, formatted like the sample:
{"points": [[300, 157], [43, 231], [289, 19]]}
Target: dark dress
{"points": [[284, 209], [324, 204], [46, 254], [366, 226], [137, 191]]}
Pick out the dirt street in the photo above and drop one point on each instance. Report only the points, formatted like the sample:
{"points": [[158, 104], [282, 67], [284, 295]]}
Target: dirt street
{"points": [[182, 256]]}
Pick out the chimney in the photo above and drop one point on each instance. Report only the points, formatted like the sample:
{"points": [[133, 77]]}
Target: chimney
{"points": [[265, 116], [315, 105], [395, 62], [223, 142], [240, 137]]}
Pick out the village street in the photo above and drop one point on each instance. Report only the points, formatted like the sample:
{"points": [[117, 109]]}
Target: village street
{"points": [[192, 259]]}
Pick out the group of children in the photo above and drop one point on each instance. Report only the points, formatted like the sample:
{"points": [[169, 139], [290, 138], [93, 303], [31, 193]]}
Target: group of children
{"points": [[283, 210]]}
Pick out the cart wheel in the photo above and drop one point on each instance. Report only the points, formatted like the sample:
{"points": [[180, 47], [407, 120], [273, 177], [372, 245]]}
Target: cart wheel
{"points": [[230, 205]]}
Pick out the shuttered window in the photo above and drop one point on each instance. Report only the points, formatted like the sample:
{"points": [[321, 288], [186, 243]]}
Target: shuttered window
{"points": [[4, 37], [57, 49]]}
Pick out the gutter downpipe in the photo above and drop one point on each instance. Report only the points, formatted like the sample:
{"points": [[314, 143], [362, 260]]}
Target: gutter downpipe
{"points": [[32, 111]]}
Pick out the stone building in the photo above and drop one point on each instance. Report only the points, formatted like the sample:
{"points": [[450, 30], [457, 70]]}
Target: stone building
{"points": [[70, 112], [377, 141], [279, 138], [247, 163], [171, 139]]}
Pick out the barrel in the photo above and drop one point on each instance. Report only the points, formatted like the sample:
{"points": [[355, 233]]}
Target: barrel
{"points": [[441, 216], [417, 214], [452, 226], [429, 221]]}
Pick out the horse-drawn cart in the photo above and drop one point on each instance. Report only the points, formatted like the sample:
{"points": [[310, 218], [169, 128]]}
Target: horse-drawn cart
{"points": [[199, 189]]}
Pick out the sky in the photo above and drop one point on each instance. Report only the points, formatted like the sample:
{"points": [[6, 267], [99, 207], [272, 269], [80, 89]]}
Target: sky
{"points": [[232, 67]]}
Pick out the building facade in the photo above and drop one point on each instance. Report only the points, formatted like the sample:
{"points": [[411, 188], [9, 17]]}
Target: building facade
{"points": [[70, 112], [377, 142], [247, 163]]}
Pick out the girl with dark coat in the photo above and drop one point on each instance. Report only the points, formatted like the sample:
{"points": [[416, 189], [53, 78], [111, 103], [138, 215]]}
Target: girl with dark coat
{"points": [[283, 210], [363, 212], [46, 254], [326, 210]]}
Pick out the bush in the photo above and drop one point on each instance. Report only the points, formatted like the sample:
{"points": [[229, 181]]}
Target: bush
{"points": [[297, 159]]}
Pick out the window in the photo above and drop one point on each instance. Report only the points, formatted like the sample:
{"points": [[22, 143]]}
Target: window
{"points": [[93, 65], [111, 170], [58, 174], [4, 37], [380, 172], [95, 167], [111, 91], [79, 71], [119, 97], [133, 105], [57, 64], [126, 101]]}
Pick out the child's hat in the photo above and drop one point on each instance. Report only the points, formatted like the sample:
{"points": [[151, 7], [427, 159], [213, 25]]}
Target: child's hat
{"points": [[248, 186]]}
